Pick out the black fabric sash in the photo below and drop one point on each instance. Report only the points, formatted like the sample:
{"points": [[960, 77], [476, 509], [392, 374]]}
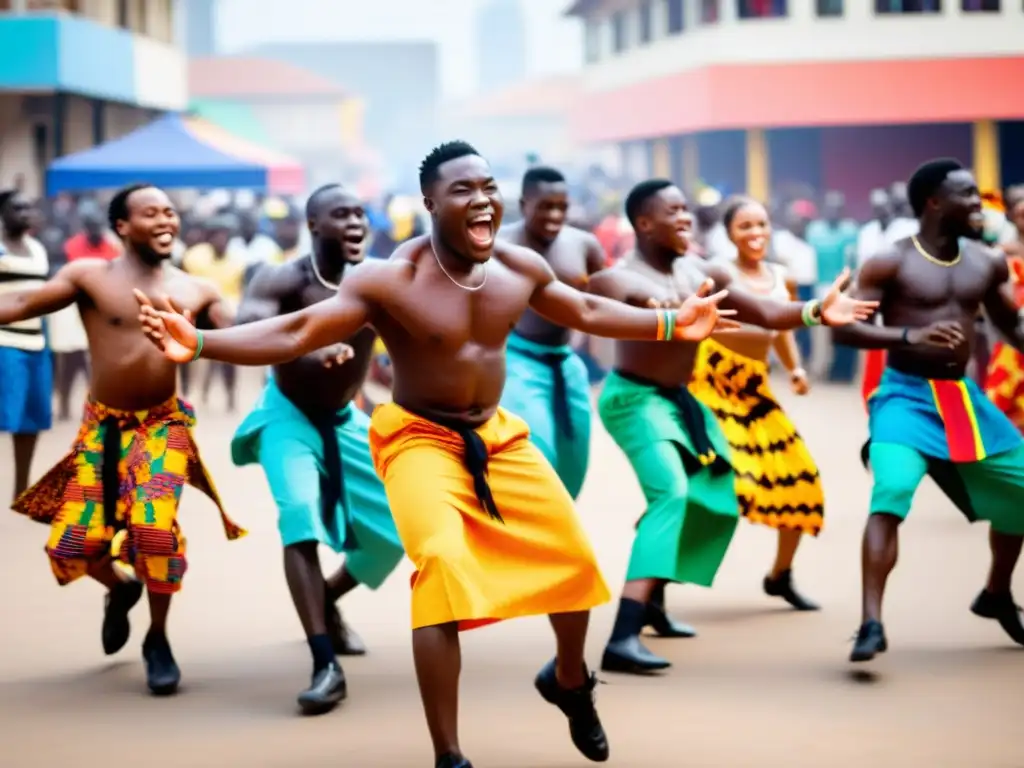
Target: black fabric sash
{"points": [[692, 417], [560, 406], [332, 479], [475, 458], [109, 478]]}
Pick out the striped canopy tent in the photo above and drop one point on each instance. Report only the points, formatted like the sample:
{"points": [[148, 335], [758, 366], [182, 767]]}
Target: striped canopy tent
{"points": [[177, 152]]}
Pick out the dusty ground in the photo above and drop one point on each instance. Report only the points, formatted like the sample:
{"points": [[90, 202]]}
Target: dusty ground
{"points": [[760, 687]]}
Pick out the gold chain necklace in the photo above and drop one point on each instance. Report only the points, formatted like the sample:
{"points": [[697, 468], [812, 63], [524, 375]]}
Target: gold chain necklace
{"points": [[932, 259], [456, 282], [324, 283]]}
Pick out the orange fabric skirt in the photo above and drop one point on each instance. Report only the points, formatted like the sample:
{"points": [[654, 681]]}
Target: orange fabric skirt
{"points": [[528, 556]]}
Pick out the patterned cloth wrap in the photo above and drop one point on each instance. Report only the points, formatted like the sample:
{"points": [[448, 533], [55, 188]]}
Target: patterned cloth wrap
{"points": [[126, 509]]}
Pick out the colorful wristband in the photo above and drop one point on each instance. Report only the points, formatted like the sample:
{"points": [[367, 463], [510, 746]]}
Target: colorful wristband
{"points": [[810, 314], [199, 345], [661, 325], [670, 325]]}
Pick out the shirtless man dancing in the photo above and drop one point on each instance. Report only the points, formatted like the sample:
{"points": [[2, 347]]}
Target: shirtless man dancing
{"points": [[547, 383], [312, 442], [114, 497], [675, 444], [926, 416], [484, 518]]}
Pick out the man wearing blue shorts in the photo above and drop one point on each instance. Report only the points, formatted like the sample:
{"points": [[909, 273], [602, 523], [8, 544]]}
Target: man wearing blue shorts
{"points": [[26, 386], [926, 416]]}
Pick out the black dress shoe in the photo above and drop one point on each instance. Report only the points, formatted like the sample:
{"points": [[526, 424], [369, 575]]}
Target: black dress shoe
{"points": [[657, 618], [327, 690], [631, 657], [988, 605], [869, 642], [452, 761], [116, 628], [578, 706], [345, 641], [782, 586], [162, 673]]}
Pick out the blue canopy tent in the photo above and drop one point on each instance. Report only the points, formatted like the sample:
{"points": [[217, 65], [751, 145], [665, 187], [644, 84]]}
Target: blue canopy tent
{"points": [[175, 152]]}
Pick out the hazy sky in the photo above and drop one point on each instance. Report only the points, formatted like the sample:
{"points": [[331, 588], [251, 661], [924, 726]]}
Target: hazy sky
{"points": [[554, 43]]}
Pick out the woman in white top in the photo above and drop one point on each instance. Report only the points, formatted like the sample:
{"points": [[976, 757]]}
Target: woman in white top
{"points": [[26, 384], [777, 481]]}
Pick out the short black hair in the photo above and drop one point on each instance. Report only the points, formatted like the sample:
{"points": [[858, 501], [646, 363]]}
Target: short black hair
{"points": [[540, 174], [927, 180], [439, 155], [640, 194], [118, 208], [733, 206], [315, 199], [6, 196]]}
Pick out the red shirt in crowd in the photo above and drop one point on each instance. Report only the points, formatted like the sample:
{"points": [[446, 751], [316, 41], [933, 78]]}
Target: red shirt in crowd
{"points": [[79, 247]]}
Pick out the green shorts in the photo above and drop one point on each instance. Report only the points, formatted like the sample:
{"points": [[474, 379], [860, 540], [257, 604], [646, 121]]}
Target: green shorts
{"points": [[991, 489]]}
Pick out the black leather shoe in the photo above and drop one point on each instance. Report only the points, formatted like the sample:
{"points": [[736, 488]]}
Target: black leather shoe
{"points": [[988, 605], [631, 657], [162, 673], [657, 618], [116, 628], [327, 690], [870, 641], [578, 706], [452, 761], [345, 641], [782, 586]]}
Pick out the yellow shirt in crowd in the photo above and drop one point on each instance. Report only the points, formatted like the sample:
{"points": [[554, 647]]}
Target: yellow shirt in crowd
{"points": [[226, 272]]}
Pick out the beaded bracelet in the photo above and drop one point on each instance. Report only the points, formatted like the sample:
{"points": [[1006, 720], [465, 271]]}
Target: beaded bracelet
{"points": [[199, 345]]}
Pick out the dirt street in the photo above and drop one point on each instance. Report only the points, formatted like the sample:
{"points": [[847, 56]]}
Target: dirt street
{"points": [[761, 687]]}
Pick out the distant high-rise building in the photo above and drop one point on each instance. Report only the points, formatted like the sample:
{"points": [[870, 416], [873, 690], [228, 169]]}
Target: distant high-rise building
{"points": [[200, 27], [501, 31]]}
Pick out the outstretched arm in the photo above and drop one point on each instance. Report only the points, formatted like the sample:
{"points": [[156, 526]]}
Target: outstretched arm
{"points": [[836, 309], [600, 316], [875, 275], [58, 292], [1000, 306], [271, 341]]}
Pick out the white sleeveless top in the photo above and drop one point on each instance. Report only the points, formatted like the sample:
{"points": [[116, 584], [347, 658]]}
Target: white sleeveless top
{"points": [[21, 273], [778, 291]]}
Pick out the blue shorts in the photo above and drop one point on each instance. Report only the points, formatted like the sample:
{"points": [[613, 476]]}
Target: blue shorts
{"points": [[26, 391]]}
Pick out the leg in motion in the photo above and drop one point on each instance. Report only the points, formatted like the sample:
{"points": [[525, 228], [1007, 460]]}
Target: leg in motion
{"points": [[24, 451], [438, 660], [779, 583], [625, 652], [996, 600], [307, 588], [566, 683], [898, 471], [344, 639], [658, 618], [879, 551], [123, 593]]}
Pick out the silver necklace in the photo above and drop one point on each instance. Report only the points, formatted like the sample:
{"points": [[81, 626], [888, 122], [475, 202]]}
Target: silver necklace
{"points": [[316, 271], [456, 282]]}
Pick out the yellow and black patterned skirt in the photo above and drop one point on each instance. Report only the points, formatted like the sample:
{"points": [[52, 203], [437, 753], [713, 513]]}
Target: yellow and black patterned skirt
{"points": [[777, 481]]}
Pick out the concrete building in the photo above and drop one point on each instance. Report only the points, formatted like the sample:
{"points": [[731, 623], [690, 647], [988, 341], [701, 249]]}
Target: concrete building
{"points": [[400, 82], [76, 72], [761, 95], [528, 118], [299, 112]]}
